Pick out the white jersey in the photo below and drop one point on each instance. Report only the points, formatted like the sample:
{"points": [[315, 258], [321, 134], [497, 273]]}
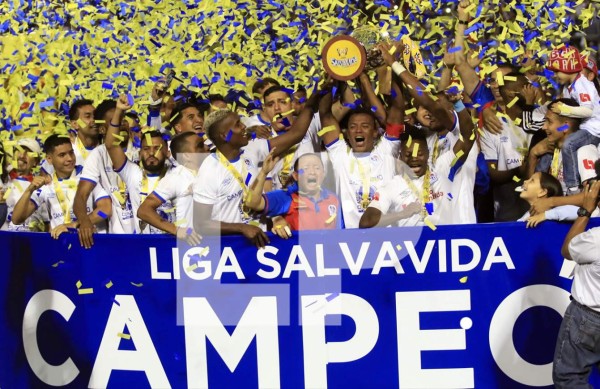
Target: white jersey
{"points": [[401, 191], [36, 222], [353, 172], [98, 170], [255, 120], [81, 154], [215, 185], [507, 151], [309, 144], [586, 95], [463, 184], [139, 186], [47, 195], [177, 188]]}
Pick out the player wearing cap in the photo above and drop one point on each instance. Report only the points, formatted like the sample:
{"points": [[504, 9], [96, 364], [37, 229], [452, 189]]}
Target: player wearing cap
{"points": [[224, 176], [58, 191], [27, 158], [567, 64], [176, 188], [139, 181]]}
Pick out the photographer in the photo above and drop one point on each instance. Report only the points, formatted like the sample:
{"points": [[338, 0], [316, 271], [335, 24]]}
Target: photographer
{"points": [[578, 344]]}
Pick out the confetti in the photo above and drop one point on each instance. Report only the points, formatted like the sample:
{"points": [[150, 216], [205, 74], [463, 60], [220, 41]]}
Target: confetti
{"points": [[512, 102], [429, 224], [58, 263], [326, 130], [78, 284], [516, 179], [463, 279], [398, 247], [124, 336], [108, 285], [86, 291], [229, 135], [139, 285], [415, 150]]}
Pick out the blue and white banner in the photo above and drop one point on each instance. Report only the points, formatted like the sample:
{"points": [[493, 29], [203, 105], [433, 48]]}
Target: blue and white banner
{"points": [[460, 307]]}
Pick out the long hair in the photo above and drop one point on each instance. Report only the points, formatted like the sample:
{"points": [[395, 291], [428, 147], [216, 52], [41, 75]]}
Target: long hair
{"points": [[551, 184]]}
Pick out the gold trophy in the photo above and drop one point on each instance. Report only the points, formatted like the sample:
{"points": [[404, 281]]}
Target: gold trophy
{"points": [[369, 37]]}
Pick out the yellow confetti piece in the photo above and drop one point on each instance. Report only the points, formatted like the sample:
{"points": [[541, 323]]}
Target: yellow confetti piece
{"points": [[463, 279], [331, 219], [493, 165], [409, 141], [429, 224], [409, 111], [457, 157], [174, 117], [470, 8], [78, 284], [205, 251], [148, 139], [180, 222], [192, 267], [139, 285], [86, 291], [500, 78], [516, 179], [58, 263], [510, 78], [119, 197], [398, 247], [124, 336], [415, 150], [81, 123], [109, 284], [326, 130], [518, 121]]}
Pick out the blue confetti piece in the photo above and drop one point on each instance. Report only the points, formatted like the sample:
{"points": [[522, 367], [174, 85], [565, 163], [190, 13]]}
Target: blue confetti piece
{"points": [[286, 122], [130, 99], [564, 127], [429, 208], [300, 171], [229, 135], [253, 135], [107, 85], [455, 49], [373, 108], [450, 196], [189, 231]]}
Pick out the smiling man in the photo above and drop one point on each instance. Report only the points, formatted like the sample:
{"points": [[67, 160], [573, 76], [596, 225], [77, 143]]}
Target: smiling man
{"points": [[224, 177], [546, 156]]}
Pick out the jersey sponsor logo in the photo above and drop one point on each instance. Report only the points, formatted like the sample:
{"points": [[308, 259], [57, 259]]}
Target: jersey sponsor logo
{"points": [[434, 195], [235, 195], [227, 181], [504, 139], [333, 209], [588, 164], [248, 162], [512, 161], [375, 158], [584, 97], [108, 169]]}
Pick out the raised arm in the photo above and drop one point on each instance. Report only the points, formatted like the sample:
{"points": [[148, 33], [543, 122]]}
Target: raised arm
{"points": [[113, 145], [396, 111], [368, 95], [416, 89], [254, 199], [331, 127], [298, 130]]}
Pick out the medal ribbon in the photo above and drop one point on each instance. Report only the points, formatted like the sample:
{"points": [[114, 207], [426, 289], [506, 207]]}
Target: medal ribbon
{"points": [[63, 200], [424, 196]]}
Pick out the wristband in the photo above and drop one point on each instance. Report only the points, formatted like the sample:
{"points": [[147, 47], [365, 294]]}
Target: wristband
{"points": [[459, 106], [394, 130], [115, 125], [463, 22], [398, 68]]}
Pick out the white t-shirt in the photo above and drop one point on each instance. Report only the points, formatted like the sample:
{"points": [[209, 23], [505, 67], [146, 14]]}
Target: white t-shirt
{"points": [[378, 166], [81, 154], [586, 95], [398, 193], [98, 170], [507, 150], [47, 195], [309, 144], [215, 185], [586, 281], [36, 221], [177, 188], [134, 178]]}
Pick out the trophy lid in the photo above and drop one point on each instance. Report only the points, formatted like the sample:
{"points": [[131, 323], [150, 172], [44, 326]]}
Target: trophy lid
{"points": [[344, 58], [369, 36]]}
